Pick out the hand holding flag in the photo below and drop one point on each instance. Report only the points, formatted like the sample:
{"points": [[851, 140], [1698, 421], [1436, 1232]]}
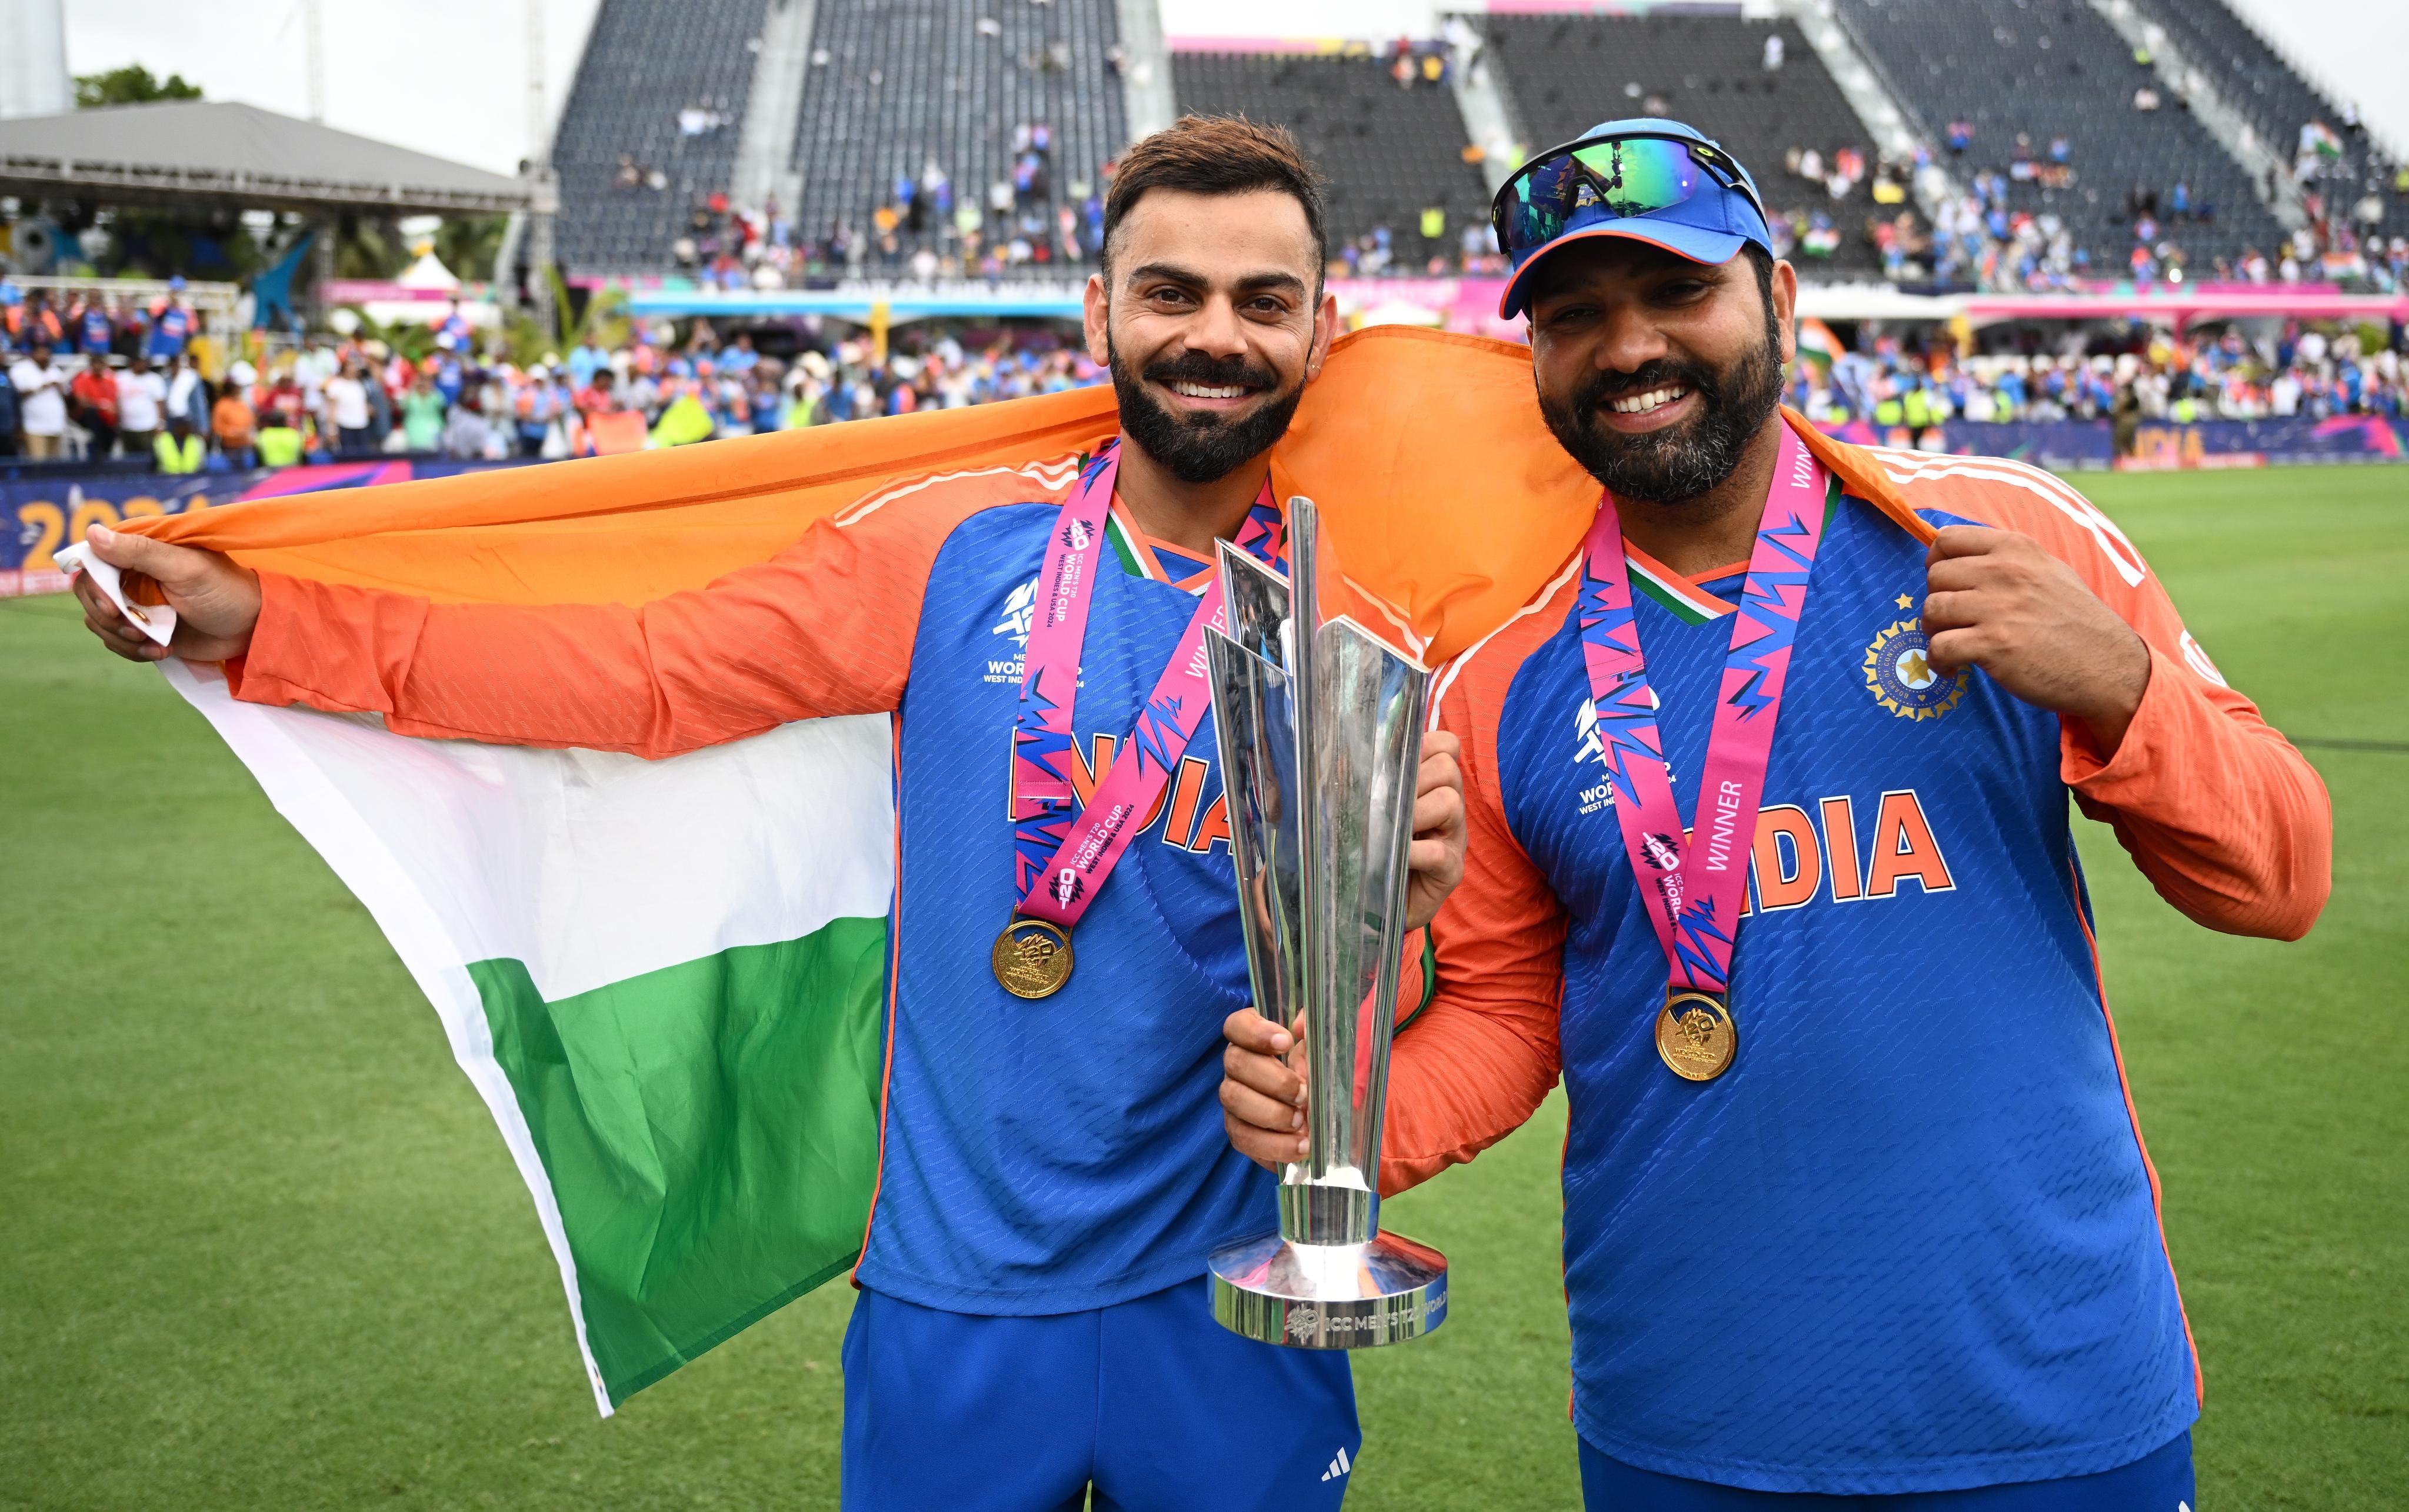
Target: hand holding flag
{"points": [[216, 602]]}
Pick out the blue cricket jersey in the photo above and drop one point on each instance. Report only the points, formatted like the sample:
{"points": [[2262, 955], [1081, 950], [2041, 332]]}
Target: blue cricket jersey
{"points": [[1910, 1240], [1066, 1153]]}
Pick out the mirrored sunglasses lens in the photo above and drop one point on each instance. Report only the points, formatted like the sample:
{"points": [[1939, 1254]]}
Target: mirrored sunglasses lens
{"points": [[1642, 175], [1540, 201]]}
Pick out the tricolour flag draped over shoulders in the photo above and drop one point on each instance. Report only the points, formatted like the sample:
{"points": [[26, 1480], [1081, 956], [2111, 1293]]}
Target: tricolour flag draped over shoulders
{"points": [[666, 979]]}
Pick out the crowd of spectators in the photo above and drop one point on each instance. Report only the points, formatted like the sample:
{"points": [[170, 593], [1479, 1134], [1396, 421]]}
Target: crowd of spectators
{"points": [[2347, 205], [1978, 240], [2223, 375], [94, 369], [332, 399], [924, 227], [97, 323]]}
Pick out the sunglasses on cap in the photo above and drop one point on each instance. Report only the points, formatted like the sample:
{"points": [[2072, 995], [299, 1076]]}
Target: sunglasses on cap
{"points": [[1625, 175]]}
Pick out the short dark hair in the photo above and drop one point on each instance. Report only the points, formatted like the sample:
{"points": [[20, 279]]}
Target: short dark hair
{"points": [[1761, 260], [1217, 156]]}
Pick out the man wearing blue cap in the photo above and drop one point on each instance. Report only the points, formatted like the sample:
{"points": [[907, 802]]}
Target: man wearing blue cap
{"points": [[1769, 859]]}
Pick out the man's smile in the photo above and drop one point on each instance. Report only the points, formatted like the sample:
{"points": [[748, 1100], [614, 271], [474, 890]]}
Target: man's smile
{"points": [[1637, 413], [1213, 396]]}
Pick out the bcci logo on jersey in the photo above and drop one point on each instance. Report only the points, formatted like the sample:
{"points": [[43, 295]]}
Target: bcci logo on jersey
{"points": [[1019, 614], [1900, 675], [1592, 747]]}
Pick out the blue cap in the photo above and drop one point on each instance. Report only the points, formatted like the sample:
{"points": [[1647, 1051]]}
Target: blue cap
{"points": [[1710, 226]]}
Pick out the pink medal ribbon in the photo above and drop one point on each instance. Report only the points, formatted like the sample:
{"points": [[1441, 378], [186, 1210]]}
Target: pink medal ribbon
{"points": [[1061, 853], [1695, 889]]}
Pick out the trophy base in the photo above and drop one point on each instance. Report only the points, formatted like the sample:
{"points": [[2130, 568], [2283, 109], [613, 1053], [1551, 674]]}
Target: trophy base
{"points": [[1275, 1290]]}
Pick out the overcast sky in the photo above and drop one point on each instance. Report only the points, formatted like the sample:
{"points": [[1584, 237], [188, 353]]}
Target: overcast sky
{"points": [[449, 77]]}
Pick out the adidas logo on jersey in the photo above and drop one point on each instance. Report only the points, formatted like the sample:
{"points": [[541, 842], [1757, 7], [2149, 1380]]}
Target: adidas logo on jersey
{"points": [[1600, 794], [1339, 1466], [1019, 614]]}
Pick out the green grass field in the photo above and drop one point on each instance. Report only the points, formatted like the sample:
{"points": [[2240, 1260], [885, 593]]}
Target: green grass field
{"points": [[260, 1247]]}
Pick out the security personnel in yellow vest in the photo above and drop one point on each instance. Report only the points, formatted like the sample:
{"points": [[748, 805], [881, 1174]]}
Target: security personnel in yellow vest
{"points": [[280, 444], [1918, 408], [177, 449]]}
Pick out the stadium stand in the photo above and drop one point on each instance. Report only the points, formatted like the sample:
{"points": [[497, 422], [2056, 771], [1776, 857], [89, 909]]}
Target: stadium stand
{"points": [[1388, 154], [2243, 68], [896, 84], [1566, 73], [2254, 79], [2040, 69], [643, 66]]}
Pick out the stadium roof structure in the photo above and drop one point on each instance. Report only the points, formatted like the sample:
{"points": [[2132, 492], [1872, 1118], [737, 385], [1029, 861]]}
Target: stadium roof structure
{"points": [[180, 152]]}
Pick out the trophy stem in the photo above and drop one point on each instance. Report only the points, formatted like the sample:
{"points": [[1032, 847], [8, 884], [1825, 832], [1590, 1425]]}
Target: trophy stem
{"points": [[1316, 1212]]}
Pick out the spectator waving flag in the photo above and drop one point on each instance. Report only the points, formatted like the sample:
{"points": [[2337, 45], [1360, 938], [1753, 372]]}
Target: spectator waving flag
{"points": [[666, 979], [1818, 348]]}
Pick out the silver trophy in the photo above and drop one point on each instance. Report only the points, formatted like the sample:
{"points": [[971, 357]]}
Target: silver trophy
{"points": [[1321, 732]]}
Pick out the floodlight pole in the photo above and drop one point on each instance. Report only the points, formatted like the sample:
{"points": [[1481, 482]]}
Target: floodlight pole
{"points": [[543, 188], [313, 46]]}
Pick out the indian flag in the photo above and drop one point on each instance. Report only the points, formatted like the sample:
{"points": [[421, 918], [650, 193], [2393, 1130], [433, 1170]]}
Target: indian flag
{"points": [[667, 979], [664, 979], [1818, 348]]}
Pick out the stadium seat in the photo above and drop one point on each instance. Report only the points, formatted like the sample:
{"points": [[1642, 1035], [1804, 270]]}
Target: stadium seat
{"points": [[908, 82], [2252, 79], [643, 63], [2048, 68], [1565, 74], [1388, 154]]}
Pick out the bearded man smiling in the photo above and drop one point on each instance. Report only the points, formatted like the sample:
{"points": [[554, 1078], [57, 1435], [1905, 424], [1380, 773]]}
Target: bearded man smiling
{"points": [[1033, 1330], [1770, 858]]}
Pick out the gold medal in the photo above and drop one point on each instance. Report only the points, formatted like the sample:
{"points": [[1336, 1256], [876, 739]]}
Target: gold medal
{"points": [[1695, 1036], [1032, 957]]}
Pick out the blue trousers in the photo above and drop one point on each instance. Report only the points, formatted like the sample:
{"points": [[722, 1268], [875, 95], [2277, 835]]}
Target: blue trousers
{"points": [[2159, 1481], [1150, 1403]]}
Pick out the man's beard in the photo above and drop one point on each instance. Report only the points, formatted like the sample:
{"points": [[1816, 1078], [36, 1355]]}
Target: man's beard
{"points": [[1682, 461], [1203, 447]]}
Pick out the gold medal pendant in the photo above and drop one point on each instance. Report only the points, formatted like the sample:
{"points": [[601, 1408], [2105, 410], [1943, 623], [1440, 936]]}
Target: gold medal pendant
{"points": [[1032, 957], [1695, 1036]]}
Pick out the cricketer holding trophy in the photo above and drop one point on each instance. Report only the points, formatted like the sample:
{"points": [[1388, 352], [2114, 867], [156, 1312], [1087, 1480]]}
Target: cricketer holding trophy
{"points": [[1771, 857], [1035, 1324]]}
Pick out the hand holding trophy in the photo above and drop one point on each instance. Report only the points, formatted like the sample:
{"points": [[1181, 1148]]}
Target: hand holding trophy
{"points": [[1321, 727]]}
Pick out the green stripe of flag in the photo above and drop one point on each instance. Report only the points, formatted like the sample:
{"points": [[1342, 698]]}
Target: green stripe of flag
{"points": [[710, 1129]]}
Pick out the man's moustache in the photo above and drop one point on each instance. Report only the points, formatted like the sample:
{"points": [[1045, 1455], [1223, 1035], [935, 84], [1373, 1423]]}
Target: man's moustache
{"points": [[1605, 389], [1235, 373]]}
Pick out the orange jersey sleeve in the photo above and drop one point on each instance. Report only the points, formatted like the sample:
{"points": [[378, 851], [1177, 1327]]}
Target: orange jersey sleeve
{"points": [[2229, 823], [824, 628], [1476, 1062]]}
